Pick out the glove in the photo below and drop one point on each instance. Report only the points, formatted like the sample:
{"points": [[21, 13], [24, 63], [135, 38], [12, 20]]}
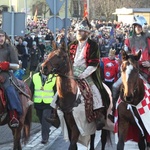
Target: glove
{"points": [[81, 76], [4, 66]]}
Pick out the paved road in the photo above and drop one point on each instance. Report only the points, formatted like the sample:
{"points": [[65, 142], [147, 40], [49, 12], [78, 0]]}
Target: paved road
{"points": [[60, 144], [56, 141]]}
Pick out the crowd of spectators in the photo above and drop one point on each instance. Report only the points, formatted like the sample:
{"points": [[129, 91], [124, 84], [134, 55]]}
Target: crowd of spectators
{"points": [[38, 39]]}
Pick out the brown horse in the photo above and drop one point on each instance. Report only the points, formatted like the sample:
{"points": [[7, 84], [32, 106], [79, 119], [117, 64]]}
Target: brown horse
{"points": [[58, 62], [25, 118], [131, 94]]}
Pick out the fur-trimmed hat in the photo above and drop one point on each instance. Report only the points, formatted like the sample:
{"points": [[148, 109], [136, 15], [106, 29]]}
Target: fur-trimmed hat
{"points": [[84, 25]]}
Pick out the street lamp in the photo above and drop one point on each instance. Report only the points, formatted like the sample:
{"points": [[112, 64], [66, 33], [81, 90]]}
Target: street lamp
{"points": [[25, 8], [12, 21]]}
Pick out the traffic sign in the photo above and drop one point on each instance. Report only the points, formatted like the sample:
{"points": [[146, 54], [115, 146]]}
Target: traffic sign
{"points": [[59, 24], [68, 22], [19, 23], [55, 9]]}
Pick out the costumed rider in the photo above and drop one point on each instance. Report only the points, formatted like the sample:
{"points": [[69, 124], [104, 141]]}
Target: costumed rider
{"points": [[140, 40], [9, 60], [85, 57]]}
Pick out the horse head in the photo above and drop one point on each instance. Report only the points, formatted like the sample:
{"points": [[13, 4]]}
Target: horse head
{"points": [[56, 61], [130, 75]]}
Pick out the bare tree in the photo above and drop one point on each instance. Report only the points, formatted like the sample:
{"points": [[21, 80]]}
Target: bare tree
{"points": [[98, 8], [107, 7]]}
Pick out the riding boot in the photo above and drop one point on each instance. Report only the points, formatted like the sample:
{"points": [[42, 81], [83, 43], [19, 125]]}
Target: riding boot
{"points": [[14, 122], [54, 119], [101, 119]]}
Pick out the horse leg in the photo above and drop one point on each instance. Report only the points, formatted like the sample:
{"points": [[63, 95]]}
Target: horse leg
{"points": [[148, 146], [17, 137], [123, 129], [92, 142], [103, 138], [141, 143], [73, 131], [74, 138]]}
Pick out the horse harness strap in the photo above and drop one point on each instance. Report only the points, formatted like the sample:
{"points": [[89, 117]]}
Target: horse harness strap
{"points": [[135, 118], [18, 87], [129, 107]]}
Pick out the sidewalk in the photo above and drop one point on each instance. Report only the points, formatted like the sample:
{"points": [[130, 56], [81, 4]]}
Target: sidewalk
{"points": [[34, 143]]}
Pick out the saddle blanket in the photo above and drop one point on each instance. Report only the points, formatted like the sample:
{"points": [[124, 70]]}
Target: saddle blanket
{"points": [[85, 128], [143, 109]]}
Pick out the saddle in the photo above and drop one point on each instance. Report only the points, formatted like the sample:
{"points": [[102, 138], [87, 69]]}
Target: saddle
{"points": [[21, 88], [98, 115]]}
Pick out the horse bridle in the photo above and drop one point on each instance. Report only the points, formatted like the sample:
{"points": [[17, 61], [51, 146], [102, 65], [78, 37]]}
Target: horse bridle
{"points": [[55, 70], [136, 85]]}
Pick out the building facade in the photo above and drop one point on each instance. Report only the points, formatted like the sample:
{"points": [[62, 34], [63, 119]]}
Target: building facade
{"points": [[125, 15]]}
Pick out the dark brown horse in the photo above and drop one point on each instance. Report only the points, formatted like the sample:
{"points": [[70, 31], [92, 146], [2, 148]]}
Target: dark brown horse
{"points": [[58, 62], [132, 93], [25, 119]]}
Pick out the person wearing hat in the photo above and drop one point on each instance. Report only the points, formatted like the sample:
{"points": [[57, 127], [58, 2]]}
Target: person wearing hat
{"points": [[84, 54], [35, 56], [111, 68], [140, 40], [41, 46], [8, 56]]}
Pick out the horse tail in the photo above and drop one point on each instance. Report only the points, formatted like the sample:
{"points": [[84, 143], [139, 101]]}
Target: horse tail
{"points": [[27, 125]]}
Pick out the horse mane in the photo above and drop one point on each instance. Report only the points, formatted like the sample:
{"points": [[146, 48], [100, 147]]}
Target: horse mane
{"points": [[63, 55]]}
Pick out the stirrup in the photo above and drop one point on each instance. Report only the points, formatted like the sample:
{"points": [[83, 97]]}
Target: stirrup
{"points": [[14, 122]]}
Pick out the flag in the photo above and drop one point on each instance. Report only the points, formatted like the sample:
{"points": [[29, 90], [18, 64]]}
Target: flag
{"points": [[35, 16], [143, 108], [85, 14], [85, 11]]}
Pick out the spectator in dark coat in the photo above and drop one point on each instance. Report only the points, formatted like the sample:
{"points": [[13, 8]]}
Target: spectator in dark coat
{"points": [[41, 46], [49, 36], [35, 56], [29, 40]]}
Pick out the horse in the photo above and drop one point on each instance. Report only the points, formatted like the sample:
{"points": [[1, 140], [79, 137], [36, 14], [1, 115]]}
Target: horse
{"points": [[132, 93], [58, 62], [24, 120]]}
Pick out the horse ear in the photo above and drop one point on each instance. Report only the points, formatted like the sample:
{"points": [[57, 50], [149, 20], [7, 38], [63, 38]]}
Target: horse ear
{"points": [[138, 55], [63, 46], [124, 55], [54, 45]]}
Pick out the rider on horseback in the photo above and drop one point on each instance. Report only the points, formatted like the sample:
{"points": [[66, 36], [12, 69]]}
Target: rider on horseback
{"points": [[85, 56], [140, 40], [9, 55]]}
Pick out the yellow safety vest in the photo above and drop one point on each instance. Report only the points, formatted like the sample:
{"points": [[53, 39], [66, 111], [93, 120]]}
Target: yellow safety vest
{"points": [[44, 93]]}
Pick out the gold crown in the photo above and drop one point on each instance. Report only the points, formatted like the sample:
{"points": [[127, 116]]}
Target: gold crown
{"points": [[112, 52]]}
